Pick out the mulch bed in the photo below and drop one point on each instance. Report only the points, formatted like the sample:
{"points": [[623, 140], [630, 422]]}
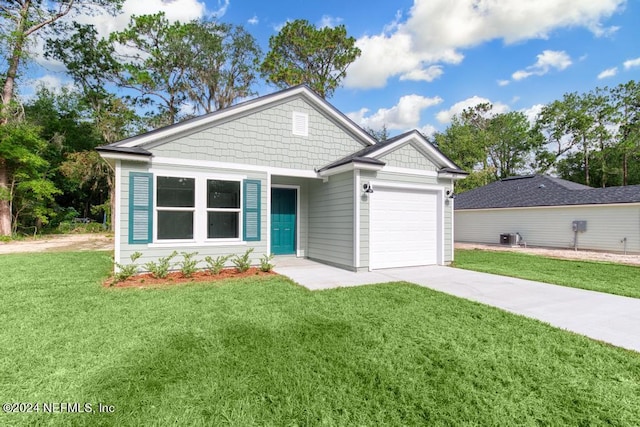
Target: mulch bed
{"points": [[146, 279]]}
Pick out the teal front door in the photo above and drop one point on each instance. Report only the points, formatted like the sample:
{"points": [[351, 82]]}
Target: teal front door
{"points": [[283, 221]]}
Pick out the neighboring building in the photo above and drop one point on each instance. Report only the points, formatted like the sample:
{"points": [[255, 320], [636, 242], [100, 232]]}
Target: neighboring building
{"points": [[551, 212], [286, 174]]}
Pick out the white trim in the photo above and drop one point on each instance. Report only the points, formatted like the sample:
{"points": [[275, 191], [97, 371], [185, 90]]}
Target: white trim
{"points": [[199, 209], [192, 244], [449, 175], [298, 251], [406, 186], [268, 215], [406, 171], [348, 167], [595, 205], [222, 115], [124, 156], [413, 137], [357, 193], [115, 215], [169, 161]]}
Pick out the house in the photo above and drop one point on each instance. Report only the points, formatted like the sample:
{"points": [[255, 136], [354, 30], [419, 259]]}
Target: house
{"points": [[286, 174], [551, 212]]}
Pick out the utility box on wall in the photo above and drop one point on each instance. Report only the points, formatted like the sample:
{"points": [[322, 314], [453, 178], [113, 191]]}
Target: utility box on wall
{"points": [[580, 226]]}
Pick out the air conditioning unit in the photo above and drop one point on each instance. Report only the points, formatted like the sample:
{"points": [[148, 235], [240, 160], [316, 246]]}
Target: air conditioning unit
{"points": [[508, 239]]}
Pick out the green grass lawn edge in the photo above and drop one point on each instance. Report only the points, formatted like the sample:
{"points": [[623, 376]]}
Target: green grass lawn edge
{"points": [[612, 278]]}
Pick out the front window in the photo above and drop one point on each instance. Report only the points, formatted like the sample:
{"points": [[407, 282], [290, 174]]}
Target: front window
{"points": [[223, 209], [175, 200]]}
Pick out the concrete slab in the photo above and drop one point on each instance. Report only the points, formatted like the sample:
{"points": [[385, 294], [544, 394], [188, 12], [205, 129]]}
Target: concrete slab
{"points": [[609, 318]]}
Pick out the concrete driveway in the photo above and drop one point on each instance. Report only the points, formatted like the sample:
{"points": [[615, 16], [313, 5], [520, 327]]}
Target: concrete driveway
{"points": [[609, 318]]}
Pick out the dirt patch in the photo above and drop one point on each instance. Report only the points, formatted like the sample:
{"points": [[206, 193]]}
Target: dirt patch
{"points": [[559, 253], [147, 280], [59, 242]]}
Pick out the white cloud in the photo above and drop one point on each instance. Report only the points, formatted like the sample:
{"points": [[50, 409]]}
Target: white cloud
{"points": [[403, 116], [631, 63], [547, 60], [253, 20], [427, 74], [329, 21], [428, 131], [445, 116], [503, 82], [532, 112], [51, 82], [609, 72], [436, 30], [223, 5]]}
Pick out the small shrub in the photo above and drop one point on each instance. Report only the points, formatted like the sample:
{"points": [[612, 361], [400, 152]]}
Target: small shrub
{"points": [[265, 263], [126, 270], [160, 270], [215, 266], [188, 265], [242, 262]]}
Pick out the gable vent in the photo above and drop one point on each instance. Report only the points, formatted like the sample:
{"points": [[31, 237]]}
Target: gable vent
{"points": [[300, 124]]}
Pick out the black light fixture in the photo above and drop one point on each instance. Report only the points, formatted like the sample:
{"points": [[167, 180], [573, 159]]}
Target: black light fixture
{"points": [[450, 194]]}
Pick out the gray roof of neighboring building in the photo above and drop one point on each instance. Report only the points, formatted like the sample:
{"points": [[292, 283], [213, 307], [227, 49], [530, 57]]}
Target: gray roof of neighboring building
{"points": [[542, 190]]}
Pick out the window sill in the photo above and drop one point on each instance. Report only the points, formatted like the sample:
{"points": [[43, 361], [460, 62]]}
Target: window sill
{"points": [[188, 244]]}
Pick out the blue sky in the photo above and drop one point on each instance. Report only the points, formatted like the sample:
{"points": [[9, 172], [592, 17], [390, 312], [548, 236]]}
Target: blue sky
{"points": [[425, 60]]}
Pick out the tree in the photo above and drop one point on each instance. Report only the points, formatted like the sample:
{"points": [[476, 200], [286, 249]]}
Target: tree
{"points": [[626, 101], [154, 62], [301, 53], [379, 135], [223, 64], [29, 190], [511, 140], [21, 21]]}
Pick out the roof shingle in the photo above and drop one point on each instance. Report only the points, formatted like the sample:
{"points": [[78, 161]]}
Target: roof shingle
{"points": [[542, 190]]}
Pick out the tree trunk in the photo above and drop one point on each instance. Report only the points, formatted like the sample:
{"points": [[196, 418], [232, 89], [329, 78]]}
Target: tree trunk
{"points": [[625, 171], [5, 205], [14, 61]]}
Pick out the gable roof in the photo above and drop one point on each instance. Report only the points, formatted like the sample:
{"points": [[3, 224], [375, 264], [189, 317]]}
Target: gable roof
{"points": [[369, 154], [168, 133], [542, 190]]}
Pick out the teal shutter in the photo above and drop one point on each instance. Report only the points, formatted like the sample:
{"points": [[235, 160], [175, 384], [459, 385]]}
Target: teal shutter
{"points": [[251, 210], [140, 208]]}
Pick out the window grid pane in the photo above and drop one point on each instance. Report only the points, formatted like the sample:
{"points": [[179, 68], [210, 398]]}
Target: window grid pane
{"points": [[223, 194], [223, 225], [176, 192], [175, 225]]}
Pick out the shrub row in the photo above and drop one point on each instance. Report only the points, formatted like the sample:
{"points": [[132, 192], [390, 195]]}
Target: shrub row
{"points": [[188, 265]]}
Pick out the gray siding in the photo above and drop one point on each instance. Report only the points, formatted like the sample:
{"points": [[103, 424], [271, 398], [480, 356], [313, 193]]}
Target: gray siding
{"points": [[407, 156], [303, 214], [331, 220], [607, 226], [265, 138], [151, 252]]}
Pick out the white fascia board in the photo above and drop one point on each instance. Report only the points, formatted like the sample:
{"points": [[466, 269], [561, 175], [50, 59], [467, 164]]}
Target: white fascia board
{"points": [[412, 137], [124, 156], [449, 175], [350, 167], [258, 103], [170, 161]]}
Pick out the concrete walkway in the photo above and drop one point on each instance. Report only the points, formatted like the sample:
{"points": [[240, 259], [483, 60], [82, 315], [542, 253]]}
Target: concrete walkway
{"points": [[610, 318]]}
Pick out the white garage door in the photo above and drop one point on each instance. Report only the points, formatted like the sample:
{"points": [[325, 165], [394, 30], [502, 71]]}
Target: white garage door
{"points": [[404, 228]]}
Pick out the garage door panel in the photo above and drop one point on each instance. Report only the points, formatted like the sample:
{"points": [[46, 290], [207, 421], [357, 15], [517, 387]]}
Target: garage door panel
{"points": [[403, 228]]}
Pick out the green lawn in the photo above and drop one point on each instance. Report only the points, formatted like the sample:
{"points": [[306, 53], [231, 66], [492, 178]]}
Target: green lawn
{"points": [[264, 351], [606, 277]]}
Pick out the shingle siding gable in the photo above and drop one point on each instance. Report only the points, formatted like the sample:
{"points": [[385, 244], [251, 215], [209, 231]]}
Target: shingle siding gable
{"points": [[265, 138]]}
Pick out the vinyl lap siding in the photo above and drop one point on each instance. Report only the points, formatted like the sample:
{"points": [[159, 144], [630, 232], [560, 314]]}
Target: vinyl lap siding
{"points": [[331, 220], [607, 226]]}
